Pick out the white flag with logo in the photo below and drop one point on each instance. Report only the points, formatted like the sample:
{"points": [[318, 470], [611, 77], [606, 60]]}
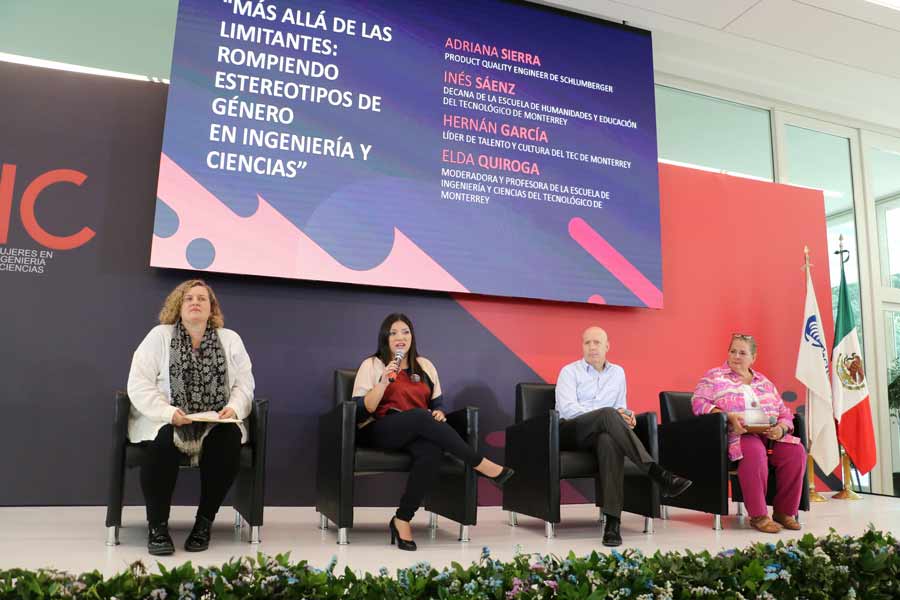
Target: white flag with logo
{"points": [[812, 371]]}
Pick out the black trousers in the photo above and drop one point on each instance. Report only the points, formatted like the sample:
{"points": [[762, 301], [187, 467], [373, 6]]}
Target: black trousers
{"points": [[219, 463], [416, 432], [605, 432]]}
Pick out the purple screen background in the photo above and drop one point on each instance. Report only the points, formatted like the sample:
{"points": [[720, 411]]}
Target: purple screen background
{"points": [[509, 247]]}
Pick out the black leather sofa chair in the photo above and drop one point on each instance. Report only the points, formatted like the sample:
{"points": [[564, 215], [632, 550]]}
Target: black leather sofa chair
{"points": [[696, 447], [248, 491], [340, 460], [532, 449]]}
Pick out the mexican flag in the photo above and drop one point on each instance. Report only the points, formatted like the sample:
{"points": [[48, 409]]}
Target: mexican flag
{"points": [[849, 391]]}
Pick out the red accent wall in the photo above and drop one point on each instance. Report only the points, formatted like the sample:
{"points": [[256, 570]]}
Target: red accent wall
{"points": [[732, 262]]}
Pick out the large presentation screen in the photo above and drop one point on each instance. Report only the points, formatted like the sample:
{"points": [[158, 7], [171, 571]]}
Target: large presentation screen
{"points": [[491, 147]]}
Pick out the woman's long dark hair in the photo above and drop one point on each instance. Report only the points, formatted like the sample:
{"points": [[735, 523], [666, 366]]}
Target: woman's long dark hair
{"points": [[384, 354]]}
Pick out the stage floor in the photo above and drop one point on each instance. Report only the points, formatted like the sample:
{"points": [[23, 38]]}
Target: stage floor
{"points": [[72, 538]]}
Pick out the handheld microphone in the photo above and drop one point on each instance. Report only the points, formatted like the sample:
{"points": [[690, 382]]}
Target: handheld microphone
{"points": [[398, 358]]}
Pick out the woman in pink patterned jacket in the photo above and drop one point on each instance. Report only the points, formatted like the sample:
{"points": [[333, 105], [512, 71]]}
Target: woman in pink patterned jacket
{"points": [[748, 398]]}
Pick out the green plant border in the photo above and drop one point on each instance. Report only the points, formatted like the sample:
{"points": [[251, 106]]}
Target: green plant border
{"points": [[829, 567]]}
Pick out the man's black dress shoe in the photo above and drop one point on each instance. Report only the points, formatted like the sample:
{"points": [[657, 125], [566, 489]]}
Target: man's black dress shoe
{"points": [[401, 543], [611, 535], [670, 484], [159, 542], [198, 540]]}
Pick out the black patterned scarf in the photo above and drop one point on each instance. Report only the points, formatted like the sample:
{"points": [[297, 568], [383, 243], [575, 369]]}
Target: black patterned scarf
{"points": [[198, 383]]}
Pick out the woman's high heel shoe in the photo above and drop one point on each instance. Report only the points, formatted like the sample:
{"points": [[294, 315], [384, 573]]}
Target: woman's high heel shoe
{"points": [[501, 478], [401, 543]]}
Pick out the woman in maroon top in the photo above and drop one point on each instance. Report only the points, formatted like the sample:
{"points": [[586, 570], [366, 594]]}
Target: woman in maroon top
{"points": [[399, 404]]}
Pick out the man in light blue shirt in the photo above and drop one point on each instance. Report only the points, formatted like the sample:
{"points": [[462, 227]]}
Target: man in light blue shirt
{"points": [[590, 398], [582, 387]]}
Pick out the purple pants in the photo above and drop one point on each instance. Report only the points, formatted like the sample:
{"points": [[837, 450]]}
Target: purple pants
{"points": [[789, 461]]}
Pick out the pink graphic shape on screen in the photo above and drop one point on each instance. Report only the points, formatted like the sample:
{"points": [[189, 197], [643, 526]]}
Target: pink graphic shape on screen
{"points": [[266, 243], [617, 264]]}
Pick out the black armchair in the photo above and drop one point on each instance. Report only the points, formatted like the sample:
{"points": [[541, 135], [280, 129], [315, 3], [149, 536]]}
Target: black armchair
{"points": [[248, 492], [696, 447], [340, 460], [532, 449]]}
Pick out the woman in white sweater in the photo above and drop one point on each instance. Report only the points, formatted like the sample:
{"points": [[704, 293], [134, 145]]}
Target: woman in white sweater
{"points": [[188, 364]]}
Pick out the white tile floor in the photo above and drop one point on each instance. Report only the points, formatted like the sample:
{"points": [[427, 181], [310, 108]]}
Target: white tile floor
{"points": [[72, 538]]}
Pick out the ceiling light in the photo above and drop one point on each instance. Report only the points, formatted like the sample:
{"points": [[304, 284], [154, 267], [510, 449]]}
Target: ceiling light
{"points": [[52, 64], [895, 4]]}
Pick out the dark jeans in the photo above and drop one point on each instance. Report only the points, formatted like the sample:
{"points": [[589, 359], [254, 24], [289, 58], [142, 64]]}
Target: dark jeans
{"points": [[219, 463], [605, 432], [416, 432]]}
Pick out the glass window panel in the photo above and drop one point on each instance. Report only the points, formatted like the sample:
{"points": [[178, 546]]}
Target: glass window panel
{"points": [[892, 344], [884, 178], [822, 161], [131, 36], [714, 134]]}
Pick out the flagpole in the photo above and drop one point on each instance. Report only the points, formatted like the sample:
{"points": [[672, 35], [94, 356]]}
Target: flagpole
{"points": [[847, 493], [814, 496]]}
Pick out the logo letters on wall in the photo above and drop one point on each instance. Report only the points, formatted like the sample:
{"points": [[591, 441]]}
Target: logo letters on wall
{"points": [[26, 207]]}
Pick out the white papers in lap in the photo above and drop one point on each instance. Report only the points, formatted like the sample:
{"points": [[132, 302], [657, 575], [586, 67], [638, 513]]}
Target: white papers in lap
{"points": [[210, 416]]}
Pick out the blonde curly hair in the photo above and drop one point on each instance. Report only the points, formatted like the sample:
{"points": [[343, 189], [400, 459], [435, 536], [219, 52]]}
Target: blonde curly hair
{"points": [[171, 309]]}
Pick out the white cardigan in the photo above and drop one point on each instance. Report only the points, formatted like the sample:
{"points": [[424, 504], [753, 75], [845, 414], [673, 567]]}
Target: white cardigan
{"points": [[149, 388]]}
